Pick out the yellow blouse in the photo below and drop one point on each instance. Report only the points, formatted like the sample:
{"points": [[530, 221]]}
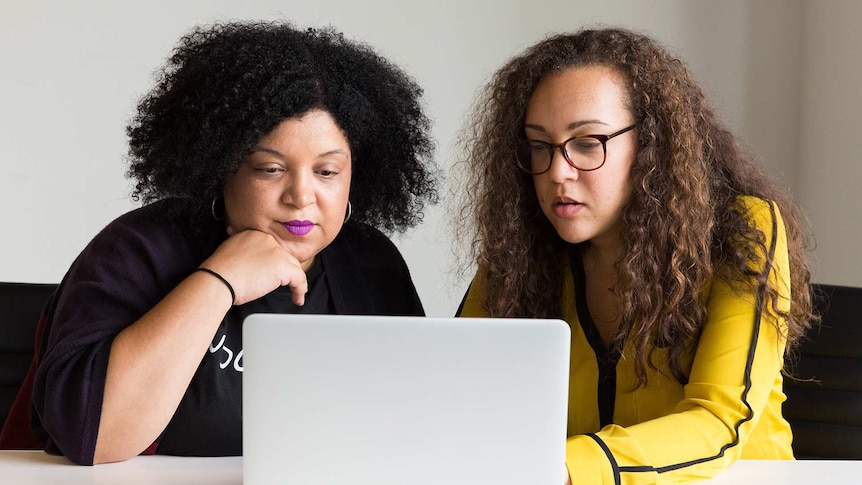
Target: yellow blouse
{"points": [[670, 433]]}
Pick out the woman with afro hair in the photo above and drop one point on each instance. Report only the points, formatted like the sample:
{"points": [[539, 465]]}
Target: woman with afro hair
{"points": [[603, 190], [269, 159]]}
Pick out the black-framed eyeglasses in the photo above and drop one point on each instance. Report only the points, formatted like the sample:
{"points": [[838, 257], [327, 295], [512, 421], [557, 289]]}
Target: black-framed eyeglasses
{"points": [[585, 152]]}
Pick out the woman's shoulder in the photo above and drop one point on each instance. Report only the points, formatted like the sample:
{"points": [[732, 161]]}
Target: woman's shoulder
{"points": [[764, 214], [367, 248], [370, 272], [368, 238], [157, 229], [751, 203], [161, 213], [170, 216]]}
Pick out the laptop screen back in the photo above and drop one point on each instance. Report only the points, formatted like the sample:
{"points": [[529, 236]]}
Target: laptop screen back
{"points": [[404, 400]]}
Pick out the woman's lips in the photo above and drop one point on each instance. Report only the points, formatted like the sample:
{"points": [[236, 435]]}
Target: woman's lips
{"points": [[298, 228], [567, 207]]}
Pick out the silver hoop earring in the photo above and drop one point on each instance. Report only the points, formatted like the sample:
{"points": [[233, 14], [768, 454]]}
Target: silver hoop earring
{"points": [[349, 211], [213, 210]]}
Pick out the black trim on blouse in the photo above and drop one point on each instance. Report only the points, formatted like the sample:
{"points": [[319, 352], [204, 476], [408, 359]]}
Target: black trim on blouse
{"points": [[606, 359], [761, 290]]}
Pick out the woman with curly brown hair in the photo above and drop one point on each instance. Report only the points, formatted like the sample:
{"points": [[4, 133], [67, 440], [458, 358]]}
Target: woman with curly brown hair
{"points": [[269, 159], [603, 190]]}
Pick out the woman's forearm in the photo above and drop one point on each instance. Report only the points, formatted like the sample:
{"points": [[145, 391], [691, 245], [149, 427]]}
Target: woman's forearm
{"points": [[152, 362]]}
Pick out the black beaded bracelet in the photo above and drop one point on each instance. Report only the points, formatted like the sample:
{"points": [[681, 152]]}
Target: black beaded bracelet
{"points": [[229, 287]]}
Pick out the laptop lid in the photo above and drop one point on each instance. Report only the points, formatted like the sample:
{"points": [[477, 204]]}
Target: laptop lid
{"points": [[331, 399]]}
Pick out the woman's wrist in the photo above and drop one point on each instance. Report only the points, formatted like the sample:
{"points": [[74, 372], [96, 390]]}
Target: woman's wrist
{"points": [[223, 280]]}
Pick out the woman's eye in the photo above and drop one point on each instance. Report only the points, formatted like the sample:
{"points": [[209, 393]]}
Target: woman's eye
{"points": [[587, 144], [327, 173], [537, 147], [269, 170]]}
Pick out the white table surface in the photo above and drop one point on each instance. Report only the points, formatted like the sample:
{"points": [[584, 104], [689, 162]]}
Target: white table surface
{"points": [[778, 472], [36, 467]]}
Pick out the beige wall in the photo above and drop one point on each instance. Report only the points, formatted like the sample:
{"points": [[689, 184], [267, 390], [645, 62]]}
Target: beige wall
{"points": [[829, 170], [782, 73]]}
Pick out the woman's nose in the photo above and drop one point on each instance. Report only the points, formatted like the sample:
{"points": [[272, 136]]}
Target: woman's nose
{"points": [[560, 169], [298, 191]]}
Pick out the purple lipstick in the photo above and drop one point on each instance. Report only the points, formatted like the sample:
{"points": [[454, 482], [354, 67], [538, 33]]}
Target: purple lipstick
{"points": [[298, 228]]}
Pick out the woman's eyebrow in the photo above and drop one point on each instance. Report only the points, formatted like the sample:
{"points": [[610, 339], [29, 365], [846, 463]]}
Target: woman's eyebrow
{"points": [[267, 150], [571, 126], [334, 151]]}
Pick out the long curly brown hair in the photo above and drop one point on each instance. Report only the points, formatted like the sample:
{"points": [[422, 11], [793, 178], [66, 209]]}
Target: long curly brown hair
{"points": [[681, 228]]}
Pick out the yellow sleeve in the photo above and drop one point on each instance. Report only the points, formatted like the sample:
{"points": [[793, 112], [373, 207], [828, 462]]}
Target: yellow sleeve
{"points": [[735, 381], [473, 305]]}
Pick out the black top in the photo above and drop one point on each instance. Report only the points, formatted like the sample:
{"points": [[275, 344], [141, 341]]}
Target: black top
{"points": [[129, 267], [212, 405]]}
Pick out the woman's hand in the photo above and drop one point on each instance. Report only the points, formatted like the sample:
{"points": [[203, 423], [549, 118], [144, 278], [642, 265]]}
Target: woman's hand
{"points": [[254, 263], [140, 396]]}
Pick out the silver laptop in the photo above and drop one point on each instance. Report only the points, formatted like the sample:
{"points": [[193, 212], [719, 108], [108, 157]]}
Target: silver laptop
{"points": [[335, 400]]}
